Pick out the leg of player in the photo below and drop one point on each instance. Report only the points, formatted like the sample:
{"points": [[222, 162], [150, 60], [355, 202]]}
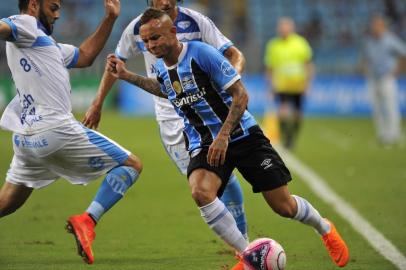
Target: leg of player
{"points": [[204, 186], [295, 207], [232, 196], [284, 122], [12, 197], [233, 199], [115, 184]]}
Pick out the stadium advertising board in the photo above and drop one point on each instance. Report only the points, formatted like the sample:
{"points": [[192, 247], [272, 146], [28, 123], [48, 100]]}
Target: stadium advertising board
{"points": [[328, 96]]}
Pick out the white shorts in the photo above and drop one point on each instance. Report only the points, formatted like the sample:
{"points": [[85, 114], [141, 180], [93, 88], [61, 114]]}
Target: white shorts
{"points": [[171, 132], [72, 151]]}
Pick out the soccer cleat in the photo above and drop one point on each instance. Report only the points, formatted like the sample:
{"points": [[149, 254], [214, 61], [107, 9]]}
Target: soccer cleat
{"points": [[336, 246], [240, 264], [82, 228]]}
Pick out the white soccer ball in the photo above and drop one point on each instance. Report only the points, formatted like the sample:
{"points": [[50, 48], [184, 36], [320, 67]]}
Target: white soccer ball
{"points": [[264, 254]]}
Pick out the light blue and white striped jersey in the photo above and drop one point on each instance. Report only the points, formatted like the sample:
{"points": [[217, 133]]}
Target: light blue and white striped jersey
{"points": [[190, 25], [196, 86], [39, 67]]}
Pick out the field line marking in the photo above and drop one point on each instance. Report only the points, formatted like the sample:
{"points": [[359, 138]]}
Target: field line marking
{"points": [[346, 211]]}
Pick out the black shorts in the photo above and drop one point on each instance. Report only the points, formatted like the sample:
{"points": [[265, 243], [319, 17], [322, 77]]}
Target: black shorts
{"points": [[296, 100], [255, 159]]}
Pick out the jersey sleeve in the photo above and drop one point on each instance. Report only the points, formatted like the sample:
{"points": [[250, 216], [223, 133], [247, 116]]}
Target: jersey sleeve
{"points": [[211, 34], [23, 30], [130, 44], [70, 54], [218, 68]]}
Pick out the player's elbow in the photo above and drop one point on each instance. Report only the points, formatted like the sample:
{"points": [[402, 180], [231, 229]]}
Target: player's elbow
{"points": [[87, 62], [86, 58]]}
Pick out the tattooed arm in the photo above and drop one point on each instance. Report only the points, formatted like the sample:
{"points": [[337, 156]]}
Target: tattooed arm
{"points": [[117, 68], [217, 150], [237, 108]]}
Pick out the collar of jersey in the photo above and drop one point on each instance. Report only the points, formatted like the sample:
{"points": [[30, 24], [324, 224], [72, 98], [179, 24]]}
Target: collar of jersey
{"points": [[180, 57], [42, 27]]}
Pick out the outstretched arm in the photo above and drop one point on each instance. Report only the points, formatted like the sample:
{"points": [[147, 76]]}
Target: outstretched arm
{"points": [[93, 114], [5, 31], [92, 46], [117, 68], [217, 150]]}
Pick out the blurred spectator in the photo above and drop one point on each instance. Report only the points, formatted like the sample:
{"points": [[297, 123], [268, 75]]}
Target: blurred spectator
{"points": [[289, 67], [313, 29], [380, 57]]}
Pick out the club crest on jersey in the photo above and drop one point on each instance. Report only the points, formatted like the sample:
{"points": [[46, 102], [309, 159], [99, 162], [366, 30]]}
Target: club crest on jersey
{"points": [[168, 85], [188, 83], [184, 24], [177, 87], [227, 69]]}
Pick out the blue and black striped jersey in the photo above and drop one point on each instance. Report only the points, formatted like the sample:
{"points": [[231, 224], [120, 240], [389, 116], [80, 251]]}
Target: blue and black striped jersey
{"points": [[196, 86]]}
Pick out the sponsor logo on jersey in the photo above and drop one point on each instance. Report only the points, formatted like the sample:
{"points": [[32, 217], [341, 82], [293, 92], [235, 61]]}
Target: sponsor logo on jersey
{"points": [[189, 98], [184, 24], [177, 87], [267, 163], [188, 83], [22, 141], [28, 113], [227, 69]]}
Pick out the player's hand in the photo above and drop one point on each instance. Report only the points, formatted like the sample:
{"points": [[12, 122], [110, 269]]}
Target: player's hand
{"points": [[217, 151], [112, 8], [92, 116], [116, 67]]}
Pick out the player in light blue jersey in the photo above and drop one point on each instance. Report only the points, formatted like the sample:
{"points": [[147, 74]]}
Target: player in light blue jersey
{"points": [[48, 142], [190, 25], [206, 91]]}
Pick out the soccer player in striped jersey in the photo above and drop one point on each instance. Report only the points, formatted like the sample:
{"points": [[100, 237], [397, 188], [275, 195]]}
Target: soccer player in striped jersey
{"points": [[48, 142], [206, 91], [190, 25]]}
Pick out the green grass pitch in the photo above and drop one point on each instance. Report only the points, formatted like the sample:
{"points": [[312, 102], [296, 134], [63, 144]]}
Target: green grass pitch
{"points": [[157, 226]]}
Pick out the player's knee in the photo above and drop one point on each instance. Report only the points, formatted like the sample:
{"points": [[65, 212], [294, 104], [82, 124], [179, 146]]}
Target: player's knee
{"points": [[135, 162], [202, 196]]}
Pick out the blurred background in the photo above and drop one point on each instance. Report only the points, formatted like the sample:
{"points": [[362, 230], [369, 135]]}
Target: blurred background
{"points": [[335, 30]]}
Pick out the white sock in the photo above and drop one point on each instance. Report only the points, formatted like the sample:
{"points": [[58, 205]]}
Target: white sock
{"points": [[220, 220], [310, 216]]}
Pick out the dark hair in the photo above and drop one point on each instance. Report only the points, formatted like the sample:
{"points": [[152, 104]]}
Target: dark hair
{"points": [[149, 2], [23, 4], [150, 14]]}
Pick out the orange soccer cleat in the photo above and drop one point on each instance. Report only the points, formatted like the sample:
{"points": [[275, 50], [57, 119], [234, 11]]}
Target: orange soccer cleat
{"points": [[239, 265], [82, 228], [336, 246]]}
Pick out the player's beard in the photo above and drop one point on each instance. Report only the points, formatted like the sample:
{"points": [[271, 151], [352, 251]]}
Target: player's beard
{"points": [[44, 20]]}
